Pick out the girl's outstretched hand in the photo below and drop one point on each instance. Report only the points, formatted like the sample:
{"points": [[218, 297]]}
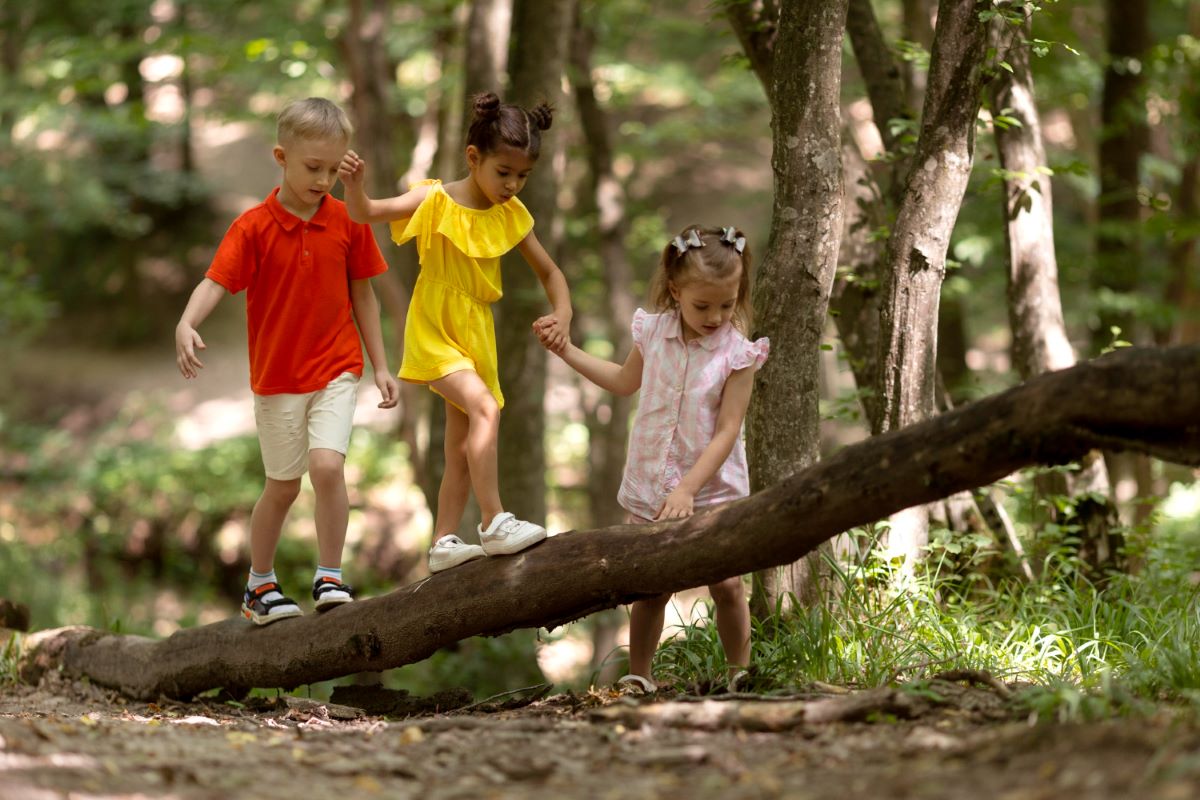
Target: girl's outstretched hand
{"points": [[678, 505], [389, 388], [552, 332], [352, 170]]}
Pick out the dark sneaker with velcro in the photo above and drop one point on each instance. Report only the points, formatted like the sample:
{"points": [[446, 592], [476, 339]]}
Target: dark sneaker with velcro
{"points": [[261, 608], [330, 592]]}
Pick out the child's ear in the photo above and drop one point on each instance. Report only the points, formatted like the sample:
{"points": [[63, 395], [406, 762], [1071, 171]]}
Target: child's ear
{"points": [[474, 157], [674, 290], [280, 156]]}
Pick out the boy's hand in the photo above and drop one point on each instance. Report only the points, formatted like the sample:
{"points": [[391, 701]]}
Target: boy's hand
{"points": [[678, 505], [352, 170], [187, 342], [389, 387], [553, 331]]}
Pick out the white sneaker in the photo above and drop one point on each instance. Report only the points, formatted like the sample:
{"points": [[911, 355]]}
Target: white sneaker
{"points": [[507, 535], [450, 551]]}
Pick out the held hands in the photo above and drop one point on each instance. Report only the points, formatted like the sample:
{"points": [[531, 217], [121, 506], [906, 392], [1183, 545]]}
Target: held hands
{"points": [[389, 387], [553, 331], [187, 342], [352, 170], [678, 505]]}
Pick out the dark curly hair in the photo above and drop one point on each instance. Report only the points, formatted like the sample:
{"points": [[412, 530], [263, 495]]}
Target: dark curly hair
{"points": [[497, 124]]}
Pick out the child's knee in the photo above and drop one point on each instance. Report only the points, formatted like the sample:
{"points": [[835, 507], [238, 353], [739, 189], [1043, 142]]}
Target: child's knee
{"points": [[728, 591], [326, 467], [283, 492]]}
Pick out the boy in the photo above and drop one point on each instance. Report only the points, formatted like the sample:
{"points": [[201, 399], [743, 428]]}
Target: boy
{"points": [[306, 269]]}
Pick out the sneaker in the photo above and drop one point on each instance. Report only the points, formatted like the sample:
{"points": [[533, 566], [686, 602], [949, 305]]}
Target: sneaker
{"points": [[329, 592], [450, 551], [507, 535], [261, 608]]}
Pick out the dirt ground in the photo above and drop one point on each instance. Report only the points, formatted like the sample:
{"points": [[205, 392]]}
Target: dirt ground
{"points": [[946, 740]]}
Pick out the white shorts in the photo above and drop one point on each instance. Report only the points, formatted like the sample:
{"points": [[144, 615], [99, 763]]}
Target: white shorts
{"points": [[289, 425]]}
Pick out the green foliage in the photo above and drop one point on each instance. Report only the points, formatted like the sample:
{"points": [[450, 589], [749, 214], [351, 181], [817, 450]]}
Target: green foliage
{"points": [[1088, 649]]}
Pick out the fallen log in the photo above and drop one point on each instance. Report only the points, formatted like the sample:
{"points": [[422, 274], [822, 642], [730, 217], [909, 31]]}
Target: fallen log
{"points": [[1146, 400]]}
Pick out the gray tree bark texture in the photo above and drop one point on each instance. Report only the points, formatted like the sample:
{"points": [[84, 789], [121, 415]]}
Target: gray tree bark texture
{"points": [[538, 57], [793, 281], [1147, 400], [1039, 335], [916, 255]]}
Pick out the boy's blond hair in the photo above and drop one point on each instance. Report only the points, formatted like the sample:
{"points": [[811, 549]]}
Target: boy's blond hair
{"points": [[313, 118]]}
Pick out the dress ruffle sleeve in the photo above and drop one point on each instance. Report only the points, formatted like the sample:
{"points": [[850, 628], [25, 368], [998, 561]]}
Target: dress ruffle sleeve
{"points": [[477, 233], [637, 328], [751, 353]]}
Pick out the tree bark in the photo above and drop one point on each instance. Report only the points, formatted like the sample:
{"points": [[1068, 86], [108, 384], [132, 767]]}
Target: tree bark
{"points": [[1124, 135], [794, 279], [916, 253], [1115, 402], [1039, 335], [538, 55], [1123, 138], [756, 24]]}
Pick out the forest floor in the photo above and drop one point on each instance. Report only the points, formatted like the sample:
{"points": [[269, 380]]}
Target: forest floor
{"points": [[941, 740]]}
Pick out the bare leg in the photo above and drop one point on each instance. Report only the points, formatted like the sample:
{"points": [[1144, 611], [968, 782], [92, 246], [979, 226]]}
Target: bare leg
{"points": [[467, 390], [266, 521], [456, 479], [645, 628], [733, 620], [326, 470]]}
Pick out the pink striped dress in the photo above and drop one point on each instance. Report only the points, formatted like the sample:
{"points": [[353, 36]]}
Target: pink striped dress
{"points": [[677, 412]]}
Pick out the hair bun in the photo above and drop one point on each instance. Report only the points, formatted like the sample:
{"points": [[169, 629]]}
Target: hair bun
{"points": [[487, 106], [542, 115]]}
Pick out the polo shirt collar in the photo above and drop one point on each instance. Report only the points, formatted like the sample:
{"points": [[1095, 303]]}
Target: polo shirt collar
{"points": [[710, 342], [288, 221]]}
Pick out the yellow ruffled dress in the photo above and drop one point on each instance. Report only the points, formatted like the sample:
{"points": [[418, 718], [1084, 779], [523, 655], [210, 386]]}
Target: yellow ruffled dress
{"points": [[449, 325]]}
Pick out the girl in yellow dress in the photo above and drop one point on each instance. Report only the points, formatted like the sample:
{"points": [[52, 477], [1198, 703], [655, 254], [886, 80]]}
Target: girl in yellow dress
{"points": [[462, 228]]}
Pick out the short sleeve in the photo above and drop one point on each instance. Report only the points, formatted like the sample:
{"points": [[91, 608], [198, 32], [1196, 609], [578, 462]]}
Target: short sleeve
{"points": [[234, 263], [638, 327], [420, 225], [364, 259], [751, 353]]}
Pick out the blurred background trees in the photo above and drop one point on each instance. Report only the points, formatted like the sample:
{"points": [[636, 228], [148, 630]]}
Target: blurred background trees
{"points": [[131, 133]]}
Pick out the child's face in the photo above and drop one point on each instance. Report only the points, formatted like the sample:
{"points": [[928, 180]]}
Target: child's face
{"points": [[705, 306], [309, 170], [501, 174]]}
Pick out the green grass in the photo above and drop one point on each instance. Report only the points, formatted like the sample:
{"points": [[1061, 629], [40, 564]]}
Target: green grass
{"points": [[1085, 648]]}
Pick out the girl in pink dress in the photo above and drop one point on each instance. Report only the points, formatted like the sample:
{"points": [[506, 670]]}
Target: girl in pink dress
{"points": [[695, 368]]}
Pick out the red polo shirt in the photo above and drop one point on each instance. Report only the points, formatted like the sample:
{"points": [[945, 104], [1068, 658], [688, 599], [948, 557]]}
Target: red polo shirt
{"points": [[297, 279]]}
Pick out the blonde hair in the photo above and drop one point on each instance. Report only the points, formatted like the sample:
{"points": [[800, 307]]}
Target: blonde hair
{"points": [[715, 261], [313, 118]]}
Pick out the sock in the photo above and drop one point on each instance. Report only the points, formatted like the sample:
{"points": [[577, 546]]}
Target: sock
{"points": [[330, 595], [327, 572], [257, 579]]}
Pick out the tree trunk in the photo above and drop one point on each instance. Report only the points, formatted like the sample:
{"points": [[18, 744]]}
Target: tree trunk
{"points": [[488, 28], [540, 33], [608, 419], [608, 438], [1039, 334], [916, 253], [794, 279], [1115, 402], [1123, 139]]}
